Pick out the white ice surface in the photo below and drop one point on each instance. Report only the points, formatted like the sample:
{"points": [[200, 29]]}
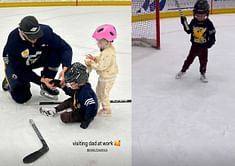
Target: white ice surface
{"points": [[184, 122], [17, 138]]}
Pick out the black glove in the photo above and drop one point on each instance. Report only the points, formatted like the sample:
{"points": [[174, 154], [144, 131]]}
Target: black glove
{"points": [[183, 19], [56, 82], [85, 124]]}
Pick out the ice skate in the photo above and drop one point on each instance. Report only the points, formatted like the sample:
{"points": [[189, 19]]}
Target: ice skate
{"points": [[203, 78], [5, 85], [48, 111], [179, 75], [49, 93]]}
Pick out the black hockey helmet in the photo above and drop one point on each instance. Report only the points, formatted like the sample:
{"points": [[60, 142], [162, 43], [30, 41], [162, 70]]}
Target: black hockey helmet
{"points": [[201, 7], [77, 73]]}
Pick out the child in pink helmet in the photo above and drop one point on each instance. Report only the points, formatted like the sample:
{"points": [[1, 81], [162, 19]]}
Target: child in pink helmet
{"points": [[105, 65]]}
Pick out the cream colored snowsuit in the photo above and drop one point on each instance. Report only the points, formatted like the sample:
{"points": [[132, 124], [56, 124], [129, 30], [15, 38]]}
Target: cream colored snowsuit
{"points": [[106, 67]]}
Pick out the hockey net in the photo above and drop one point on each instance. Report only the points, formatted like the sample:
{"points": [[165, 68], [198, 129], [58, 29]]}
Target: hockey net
{"points": [[145, 23]]}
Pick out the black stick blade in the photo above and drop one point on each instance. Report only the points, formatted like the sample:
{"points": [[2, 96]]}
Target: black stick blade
{"points": [[35, 155]]}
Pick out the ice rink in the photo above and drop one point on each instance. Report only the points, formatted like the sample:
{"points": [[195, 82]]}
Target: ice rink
{"points": [[75, 25], [184, 122]]}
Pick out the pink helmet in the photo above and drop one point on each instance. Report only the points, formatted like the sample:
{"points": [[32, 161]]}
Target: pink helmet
{"points": [[105, 31]]}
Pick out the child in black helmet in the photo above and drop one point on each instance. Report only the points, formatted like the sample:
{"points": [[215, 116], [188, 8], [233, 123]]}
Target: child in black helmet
{"points": [[202, 33], [82, 104]]}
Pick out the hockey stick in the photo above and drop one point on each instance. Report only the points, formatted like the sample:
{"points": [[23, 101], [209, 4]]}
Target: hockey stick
{"points": [[181, 14], [37, 154], [59, 102], [121, 101], [179, 8]]}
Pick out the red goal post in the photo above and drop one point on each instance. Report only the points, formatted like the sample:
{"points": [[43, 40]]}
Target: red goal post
{"points": [[146, 23]]}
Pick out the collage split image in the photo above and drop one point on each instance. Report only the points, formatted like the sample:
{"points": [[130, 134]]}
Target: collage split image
{"points": [[117, 83]]}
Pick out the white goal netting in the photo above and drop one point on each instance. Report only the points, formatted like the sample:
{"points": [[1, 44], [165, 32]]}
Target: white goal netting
{"points": [[145, 23]]}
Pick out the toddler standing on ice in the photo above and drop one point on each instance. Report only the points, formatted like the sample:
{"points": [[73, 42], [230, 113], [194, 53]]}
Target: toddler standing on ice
{"points": [[202, 33], [105, 65]]}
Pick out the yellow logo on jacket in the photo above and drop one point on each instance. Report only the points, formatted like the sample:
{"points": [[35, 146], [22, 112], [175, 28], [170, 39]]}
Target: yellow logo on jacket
{"points": [[25, 53], [199, 34]]}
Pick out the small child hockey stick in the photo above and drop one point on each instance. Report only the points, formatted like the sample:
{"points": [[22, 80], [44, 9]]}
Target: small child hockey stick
{"points": [[37, 154], [179, 8], [181, 14]]}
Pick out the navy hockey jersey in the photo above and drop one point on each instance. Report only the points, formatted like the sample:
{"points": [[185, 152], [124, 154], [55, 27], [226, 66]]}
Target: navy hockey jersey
{"points": [[85, 100], [202, 33], [21, 55]]}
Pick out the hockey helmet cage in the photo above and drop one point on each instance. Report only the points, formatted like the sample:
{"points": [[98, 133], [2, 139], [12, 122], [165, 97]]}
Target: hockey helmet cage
{"points": [[105, 31], [77, 73], [201, 7]]}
